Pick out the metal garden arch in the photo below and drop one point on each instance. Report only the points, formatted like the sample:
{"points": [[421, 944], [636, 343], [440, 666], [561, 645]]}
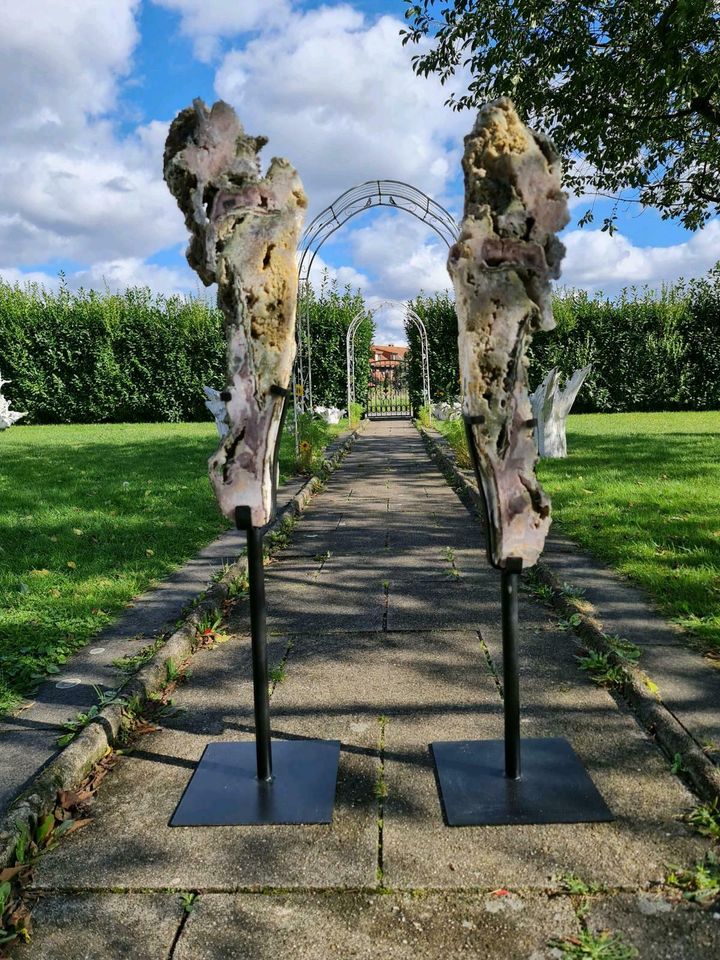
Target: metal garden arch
{"points": [[350, 351], [372, 193]]}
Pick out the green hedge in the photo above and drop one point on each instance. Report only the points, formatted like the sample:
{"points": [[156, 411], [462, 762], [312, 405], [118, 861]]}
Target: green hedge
{"points": [[331, 313], [91, 357], [438, 315], [135, 357], [648, 351]]}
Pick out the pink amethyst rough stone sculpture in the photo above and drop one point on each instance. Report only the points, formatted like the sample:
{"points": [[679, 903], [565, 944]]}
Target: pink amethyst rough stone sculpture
{"points": [[244, 234], [501, 267]]}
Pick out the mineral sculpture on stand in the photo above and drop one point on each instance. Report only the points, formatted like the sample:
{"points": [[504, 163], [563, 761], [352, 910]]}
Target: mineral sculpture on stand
{"points": [[244, 234], [501, 267]]}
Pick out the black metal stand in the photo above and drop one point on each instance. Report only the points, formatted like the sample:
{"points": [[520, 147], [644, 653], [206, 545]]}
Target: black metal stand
{"points": [[285, 782], [489, 782]]}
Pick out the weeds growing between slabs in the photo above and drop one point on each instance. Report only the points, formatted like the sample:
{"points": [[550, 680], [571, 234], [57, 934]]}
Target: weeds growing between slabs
{"points": [[91, 516], [642, 492]]}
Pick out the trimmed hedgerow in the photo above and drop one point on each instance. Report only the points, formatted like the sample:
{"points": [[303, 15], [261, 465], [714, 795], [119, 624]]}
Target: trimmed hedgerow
{"points": [[331, 313], [89, 357], [438, 315], [135, 357], [649, 351]]}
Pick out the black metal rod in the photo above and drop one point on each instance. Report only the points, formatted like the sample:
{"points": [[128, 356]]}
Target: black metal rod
{"points": [[256, 578], [509, 581]]}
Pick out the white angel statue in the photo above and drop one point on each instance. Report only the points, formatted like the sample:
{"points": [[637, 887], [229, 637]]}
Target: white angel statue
{"points": [[7, 416]]}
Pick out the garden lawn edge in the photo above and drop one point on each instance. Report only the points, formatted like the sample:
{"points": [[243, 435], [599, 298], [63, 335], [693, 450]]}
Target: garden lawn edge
{"points": [[636, 687], [75, 761]]}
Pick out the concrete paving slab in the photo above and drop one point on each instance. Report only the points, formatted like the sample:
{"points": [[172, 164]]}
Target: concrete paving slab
{"points": [[417, 565], [319, 521], [291, 574], [690, 689], [451, 605], [629, 771], [657, 928], [102, 926], [367, 926], [131, 845], [328, 602], [360, 541]]}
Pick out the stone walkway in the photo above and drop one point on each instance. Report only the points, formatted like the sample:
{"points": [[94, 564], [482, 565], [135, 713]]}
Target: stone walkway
{"points": [[387, 617]]}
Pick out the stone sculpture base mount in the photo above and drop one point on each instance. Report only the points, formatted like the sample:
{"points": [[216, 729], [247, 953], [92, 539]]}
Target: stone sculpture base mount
{"points": [[554, 786], [225, 790]]}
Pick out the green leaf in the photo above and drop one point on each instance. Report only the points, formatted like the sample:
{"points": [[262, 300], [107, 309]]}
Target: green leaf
{"points": [[45, 829]]}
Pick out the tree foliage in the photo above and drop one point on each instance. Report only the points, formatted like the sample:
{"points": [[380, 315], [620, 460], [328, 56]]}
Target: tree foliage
{"points": [[628, 91], [330, 313]]}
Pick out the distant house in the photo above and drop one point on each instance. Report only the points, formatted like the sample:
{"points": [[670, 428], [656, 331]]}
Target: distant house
{"points": [[384, 359]]}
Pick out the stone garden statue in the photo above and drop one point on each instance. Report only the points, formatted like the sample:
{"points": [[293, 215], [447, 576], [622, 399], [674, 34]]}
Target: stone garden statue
{"points": [[7, 416], [550, 407]]}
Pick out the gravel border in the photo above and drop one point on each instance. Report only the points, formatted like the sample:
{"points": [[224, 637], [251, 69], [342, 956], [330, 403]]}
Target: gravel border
{"points": [[75, 761], [637, 689]]}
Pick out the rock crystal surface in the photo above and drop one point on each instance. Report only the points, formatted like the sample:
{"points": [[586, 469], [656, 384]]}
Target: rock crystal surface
{"points": [[501, 267], [244, 231]]}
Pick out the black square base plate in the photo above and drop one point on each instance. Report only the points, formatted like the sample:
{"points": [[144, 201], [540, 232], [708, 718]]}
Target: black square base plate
{"points": [[225, 791], [554, 787]]}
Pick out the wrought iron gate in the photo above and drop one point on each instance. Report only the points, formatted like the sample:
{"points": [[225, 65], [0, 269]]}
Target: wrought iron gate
{"points": [[388, 394]]}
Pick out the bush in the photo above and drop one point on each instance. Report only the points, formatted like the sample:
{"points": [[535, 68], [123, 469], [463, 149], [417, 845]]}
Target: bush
{"points": [[438, 315], [648, 351], [313, 434], [88, 357], [454, 433], [330, 313], [355, 414], [424, 416]]}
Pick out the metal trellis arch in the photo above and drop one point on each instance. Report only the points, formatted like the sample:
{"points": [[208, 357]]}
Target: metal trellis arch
{"points": [[372, 193], [350, 351]]}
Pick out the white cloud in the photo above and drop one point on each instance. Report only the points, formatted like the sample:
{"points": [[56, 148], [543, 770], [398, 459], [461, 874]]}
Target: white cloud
{"points": [[119, 274], [14, 276], [115, 276], [60, 62], [404, 256], [596, 260], [343, 274], [206, 21], [389, 320], [338, 97], [68, 187]]}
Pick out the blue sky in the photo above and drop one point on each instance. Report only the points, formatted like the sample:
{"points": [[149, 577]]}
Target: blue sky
{"points": [[90, 87]]}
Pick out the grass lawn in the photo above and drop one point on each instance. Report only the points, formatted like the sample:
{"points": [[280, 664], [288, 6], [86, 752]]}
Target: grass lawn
{"points": [[642, 491], [91, 516]]}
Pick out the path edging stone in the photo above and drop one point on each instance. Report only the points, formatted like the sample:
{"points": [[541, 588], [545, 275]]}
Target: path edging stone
{"points": [[77, 759], [637, 687]]}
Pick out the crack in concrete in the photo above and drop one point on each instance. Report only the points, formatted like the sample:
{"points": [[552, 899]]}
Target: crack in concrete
{"points": [[491, 665]]}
